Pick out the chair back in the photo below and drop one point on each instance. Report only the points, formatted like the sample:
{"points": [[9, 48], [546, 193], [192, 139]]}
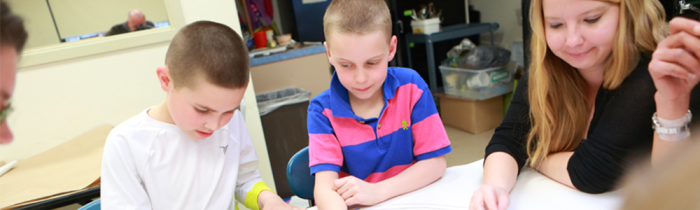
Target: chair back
{"points": [[299, 175], [94, 205]]}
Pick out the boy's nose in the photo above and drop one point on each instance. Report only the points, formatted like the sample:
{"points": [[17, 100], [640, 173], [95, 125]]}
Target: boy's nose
{"points": [[212, 125], [362, 76]]}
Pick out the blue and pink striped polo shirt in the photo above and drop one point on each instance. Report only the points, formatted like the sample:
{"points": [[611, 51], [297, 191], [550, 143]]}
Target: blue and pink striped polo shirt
{"points": [[408, 130]]}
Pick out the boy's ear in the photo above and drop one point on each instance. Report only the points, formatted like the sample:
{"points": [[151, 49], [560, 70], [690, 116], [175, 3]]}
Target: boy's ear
{"points": [[328, 52], [392, 48], [166, 82]]}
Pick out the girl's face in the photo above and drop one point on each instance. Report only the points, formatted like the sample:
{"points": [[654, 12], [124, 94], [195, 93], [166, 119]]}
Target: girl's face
{"points": [[581, 32]]}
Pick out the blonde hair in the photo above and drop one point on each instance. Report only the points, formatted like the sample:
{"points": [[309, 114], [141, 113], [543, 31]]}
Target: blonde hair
{"points": [[357, 17], [559, 109]]}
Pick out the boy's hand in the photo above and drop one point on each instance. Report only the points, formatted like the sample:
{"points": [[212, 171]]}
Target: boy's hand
{"points": [[281, 206], [357, 192], [268, 200]]}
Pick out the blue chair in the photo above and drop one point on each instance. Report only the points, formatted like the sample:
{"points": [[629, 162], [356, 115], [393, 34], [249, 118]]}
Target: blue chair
{"points": [[94, 205], [299, 175]]}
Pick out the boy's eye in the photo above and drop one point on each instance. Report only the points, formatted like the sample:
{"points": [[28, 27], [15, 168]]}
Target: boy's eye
{"points": [[592, 20], [345, 65], [372, 63], [201, 111]]}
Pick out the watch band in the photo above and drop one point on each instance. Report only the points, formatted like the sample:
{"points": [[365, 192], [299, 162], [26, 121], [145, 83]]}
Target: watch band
{"points": [[683, 129]]}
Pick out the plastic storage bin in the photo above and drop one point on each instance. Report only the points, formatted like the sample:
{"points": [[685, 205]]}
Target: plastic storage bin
{"points": [[476, 84], [427, 26], [283, 118]]}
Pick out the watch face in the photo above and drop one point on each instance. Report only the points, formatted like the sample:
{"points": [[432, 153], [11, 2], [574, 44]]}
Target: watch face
{"points": [[688, 9]]}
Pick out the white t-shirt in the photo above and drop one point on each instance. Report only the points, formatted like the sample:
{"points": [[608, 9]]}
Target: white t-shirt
{"points": [[149, 164]]}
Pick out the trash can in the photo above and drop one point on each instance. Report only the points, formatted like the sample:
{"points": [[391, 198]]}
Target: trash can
{"points": [[283, 117]]}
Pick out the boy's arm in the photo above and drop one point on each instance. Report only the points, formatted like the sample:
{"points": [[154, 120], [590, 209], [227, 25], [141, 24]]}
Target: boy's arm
{"points": [[325, 157], [324, 191], [413, 178], [358, 192], [120, 183], [250, 188]]}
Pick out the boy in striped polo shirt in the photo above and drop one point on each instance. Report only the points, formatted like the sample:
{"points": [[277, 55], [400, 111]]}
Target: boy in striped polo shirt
{"points": [[375, 133]]}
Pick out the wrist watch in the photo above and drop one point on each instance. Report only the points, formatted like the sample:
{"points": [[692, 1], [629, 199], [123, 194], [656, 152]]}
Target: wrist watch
{"points": [[660, 129]]}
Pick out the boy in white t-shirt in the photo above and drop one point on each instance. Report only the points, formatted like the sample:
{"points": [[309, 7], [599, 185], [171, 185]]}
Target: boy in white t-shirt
{"points": [[191, 151]]}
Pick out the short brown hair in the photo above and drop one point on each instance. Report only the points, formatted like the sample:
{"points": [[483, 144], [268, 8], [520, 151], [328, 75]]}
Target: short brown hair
{"points": [[208, 50], [357, 16], [11, 28]]}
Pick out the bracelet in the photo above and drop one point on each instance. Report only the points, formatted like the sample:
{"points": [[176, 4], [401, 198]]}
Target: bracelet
{"points": [[678, 132]]}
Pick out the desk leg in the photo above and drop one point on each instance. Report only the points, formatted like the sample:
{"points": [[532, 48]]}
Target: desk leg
{"points": [[431, 66], [408, 54]]}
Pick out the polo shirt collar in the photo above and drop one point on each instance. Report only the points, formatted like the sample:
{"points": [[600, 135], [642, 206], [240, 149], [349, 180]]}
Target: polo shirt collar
{"points": [[340, 102]]}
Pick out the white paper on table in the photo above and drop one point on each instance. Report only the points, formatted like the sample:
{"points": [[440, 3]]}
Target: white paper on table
{"points": [[532, 191]]}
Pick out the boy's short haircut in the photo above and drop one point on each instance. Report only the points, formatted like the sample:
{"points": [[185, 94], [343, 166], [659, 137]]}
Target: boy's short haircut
{"points": [[208, 50], [357, 17], [12, 30]]}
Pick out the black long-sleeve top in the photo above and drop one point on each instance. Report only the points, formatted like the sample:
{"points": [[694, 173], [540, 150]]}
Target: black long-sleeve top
{"points": [[621, 128]]}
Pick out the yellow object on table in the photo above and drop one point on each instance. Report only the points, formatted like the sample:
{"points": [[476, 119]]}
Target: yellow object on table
{"points": [[67, 168]]}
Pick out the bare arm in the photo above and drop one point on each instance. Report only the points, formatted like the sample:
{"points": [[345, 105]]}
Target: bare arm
{"points": [[675, 68], [269, 200], [413, 178], [555, 167], [668, 109], [356, 192], [324, 194], [500, 170], [500, 173]]}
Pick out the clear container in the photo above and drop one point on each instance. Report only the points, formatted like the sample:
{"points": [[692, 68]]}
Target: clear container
{"points": [[476, 84], [427, 26]]}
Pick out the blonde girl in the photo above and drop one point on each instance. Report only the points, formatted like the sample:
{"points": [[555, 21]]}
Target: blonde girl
{"points": [[586, 104]]}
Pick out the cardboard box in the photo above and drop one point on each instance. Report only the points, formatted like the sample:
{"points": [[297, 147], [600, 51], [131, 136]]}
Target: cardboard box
{"points": [[471, 115]]}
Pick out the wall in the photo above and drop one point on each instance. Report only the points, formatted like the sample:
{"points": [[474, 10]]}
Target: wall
{"points": [[37, 21], [311, 72], [502, 12], [58, 101]]}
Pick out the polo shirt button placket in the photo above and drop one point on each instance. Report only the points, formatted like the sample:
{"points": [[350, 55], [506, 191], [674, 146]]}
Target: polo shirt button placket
{"points": [[381, 141]]}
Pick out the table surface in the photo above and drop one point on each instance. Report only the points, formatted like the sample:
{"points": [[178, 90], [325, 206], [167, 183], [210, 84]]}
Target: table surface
{"points": [[532, 191]]}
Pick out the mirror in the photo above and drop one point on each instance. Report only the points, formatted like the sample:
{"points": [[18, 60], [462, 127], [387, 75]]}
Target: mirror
{"points": [[64, 29]]}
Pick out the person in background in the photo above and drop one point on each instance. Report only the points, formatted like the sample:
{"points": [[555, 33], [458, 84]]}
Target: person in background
{"points": [[136, 22], [13, 36]]}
